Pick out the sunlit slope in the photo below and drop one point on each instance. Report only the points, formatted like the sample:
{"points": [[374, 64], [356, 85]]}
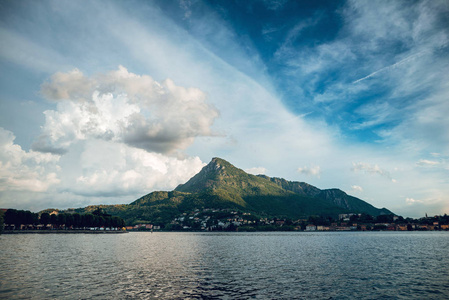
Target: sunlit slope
{"points": [[221, 185]]}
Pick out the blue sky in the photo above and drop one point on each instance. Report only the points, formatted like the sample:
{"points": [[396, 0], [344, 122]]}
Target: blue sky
{"points": [[102, 102]]}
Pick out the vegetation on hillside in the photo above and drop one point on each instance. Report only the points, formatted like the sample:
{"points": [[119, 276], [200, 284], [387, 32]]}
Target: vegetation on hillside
{"points": [[220, 185]]}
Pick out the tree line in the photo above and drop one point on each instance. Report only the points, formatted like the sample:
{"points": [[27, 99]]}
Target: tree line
{"points": [[61, 220]]}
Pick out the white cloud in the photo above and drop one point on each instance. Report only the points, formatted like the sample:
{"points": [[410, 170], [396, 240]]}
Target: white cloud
{"points": [[411, 201], [72, 86], [374, 169], [413, 74], [392, 47], [255, 128], [397, 64], [426, 162], [115, 169], [371, 169], [125, 107], [25, 171], [256, 170], [95, 169], [356, 188], [113, 131], [310, 171]]}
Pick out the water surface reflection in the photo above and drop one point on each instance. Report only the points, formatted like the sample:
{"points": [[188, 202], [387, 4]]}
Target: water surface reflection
{"points": [[226, 266]]}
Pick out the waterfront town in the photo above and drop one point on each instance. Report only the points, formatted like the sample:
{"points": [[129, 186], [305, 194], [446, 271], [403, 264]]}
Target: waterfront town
{"points": [[209, 219], [231, 220]]}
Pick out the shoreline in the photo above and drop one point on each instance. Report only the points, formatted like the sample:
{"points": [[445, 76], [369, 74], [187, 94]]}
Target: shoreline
{"points": [[63, 231]]}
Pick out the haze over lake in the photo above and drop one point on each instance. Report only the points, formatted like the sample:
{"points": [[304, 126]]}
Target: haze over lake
{"points": [[363, 265]]}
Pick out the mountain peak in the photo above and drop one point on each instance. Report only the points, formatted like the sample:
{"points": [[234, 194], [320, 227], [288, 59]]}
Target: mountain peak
{"points": [[217, 166], [222, 167], [217, 160], [209, 175], [221, 180], [217, 163]]}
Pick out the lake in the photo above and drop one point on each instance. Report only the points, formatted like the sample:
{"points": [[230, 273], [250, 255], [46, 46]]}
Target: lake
{"points": [[298, 265]]}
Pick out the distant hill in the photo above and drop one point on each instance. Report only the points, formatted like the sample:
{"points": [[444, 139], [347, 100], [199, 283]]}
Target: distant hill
{"points": [[221, 185], [335, 196]]}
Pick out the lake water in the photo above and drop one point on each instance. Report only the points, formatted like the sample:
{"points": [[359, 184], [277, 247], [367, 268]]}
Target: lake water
{"points": [[334, 265]]}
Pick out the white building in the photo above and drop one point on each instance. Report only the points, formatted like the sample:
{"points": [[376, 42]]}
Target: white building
{"points": [[310, 227]]}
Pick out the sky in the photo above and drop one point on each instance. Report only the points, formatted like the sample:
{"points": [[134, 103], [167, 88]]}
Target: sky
{"points": [[102, 102]]}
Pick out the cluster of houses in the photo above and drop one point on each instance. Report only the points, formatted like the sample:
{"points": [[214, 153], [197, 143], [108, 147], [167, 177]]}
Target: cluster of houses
{"points": [[346, 225], [209, 219], [205, 220], [226, 219], [376, 226], [143, 227]]}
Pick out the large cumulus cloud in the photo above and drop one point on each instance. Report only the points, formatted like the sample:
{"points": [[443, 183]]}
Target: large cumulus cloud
{"points": [[117, 135], [22, 170], [92, 170], [116, 169], [123, 107]]}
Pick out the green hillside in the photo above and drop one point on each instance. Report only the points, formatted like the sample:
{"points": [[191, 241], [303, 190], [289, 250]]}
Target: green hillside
{"points": [[220, 185], [334, 196]]}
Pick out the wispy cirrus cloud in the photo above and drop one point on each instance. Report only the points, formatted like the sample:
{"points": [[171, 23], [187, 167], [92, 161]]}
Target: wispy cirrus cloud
{"points": [[371, 169], [403, 61], [426, 162], [382, 60], [20, 50], [436, 163]]}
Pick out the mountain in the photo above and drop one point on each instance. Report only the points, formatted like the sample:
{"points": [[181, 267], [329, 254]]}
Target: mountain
{"points": [[336, 196], [221, 185], [220, 177]]}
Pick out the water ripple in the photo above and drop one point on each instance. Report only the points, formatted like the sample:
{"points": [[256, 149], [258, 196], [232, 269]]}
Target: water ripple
{"points": [[225, 266]]}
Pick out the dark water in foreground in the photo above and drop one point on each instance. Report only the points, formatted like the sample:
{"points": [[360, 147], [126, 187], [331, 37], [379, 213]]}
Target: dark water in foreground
{"points": [[347, 265]]}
